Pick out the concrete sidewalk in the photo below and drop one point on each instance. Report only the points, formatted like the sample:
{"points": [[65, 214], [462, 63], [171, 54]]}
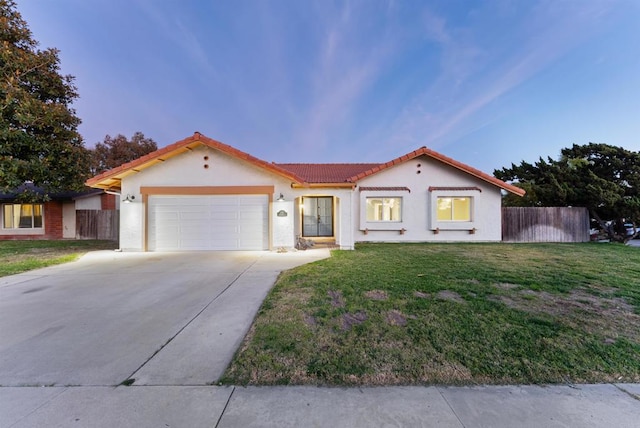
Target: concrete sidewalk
{"points": [[605, 405]]}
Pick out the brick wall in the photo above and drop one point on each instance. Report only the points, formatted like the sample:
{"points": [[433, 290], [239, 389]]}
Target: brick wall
{"points": [[108, 201], [53, 220]]}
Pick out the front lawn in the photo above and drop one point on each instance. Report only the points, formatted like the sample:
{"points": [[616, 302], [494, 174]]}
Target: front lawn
{"points": [[22, 256], [390, 314]]}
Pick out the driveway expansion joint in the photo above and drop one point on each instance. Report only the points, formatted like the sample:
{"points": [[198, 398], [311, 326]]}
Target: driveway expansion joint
{"points": [[451, 407], [630, 394], [44, 403], [224, 409], [131, 376]]}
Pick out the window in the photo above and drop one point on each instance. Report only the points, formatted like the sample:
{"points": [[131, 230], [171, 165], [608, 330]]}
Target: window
{"points": [[384, 209], [22, 216], [454, 209]]}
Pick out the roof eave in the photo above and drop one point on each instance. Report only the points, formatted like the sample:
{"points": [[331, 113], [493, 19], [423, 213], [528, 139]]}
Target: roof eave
{"points": [[321, 185], [447, 161], [111, 180]]}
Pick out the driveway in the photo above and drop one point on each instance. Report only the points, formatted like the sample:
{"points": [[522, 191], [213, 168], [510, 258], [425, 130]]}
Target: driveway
{"points": [[146, 318]]}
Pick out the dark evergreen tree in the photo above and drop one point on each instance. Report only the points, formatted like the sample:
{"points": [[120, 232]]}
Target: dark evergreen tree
{"points": [[603, 178], [39, 140]]}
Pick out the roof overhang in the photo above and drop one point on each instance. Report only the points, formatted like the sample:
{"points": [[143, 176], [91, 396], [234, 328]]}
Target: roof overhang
{"points": [[322, 185], [112, 180], [423, 151]]}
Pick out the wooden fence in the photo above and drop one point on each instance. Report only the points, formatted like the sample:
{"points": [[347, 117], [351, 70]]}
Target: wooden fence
{"points": [[548, 224], [96, 224]]}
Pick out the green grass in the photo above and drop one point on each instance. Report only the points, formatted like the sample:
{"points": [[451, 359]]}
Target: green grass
{"points": [[450, 314], [22, 256]]}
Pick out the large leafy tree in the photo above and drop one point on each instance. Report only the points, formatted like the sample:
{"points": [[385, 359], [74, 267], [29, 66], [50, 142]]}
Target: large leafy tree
{"points": [[39, 140], [603, 178], [113, 152]]}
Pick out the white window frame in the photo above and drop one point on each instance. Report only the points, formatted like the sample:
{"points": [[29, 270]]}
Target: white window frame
{"points": [[366, 224], [452, 198], [16, 229], [435, 224], [383, 206]]}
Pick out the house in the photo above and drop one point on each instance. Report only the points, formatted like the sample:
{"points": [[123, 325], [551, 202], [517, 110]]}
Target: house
{"points": [[53, 219], [201, 194]]}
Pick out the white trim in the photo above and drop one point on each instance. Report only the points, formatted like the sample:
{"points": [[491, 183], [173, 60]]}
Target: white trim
{"points": [[382, 225], [435, 224]]}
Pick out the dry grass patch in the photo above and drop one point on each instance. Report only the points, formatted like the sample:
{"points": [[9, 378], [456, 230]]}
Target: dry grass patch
{"points": [[337, 301], [451, 296], [395, 317], [610, 317], [376, 295], [349, 320]]}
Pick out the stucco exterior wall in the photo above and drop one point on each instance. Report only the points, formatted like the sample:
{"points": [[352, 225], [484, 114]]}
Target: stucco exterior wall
{"points": [[418, 205], [69, 220], [282, 224], [202, 166], [205, 166], [93, 202]]}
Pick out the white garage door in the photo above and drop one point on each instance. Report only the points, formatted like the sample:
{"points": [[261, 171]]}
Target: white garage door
{"points": [[220, 222]]}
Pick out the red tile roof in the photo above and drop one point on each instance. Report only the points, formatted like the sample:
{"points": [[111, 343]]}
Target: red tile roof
{"points": [[382, 189], [444, 159], [447, 188], [108, 178], [326, 172], [299, 173]]}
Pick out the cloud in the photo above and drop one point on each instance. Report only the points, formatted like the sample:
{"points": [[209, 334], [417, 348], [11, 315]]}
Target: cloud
{"points": [[348, 62], [473, 75], [182, 36]]}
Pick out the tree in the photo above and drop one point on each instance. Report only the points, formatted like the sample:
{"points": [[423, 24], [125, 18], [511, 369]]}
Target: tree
{"points": [[603, 178], [39, 140], [113, 152]]}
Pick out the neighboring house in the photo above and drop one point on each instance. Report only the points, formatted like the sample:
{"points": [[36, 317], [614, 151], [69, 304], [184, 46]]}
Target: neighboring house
{"points": [[54, 219], [200, 194]]}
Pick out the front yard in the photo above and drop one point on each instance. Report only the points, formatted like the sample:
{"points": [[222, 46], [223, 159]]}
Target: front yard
{"points": [[22, 256], [450, 314]]}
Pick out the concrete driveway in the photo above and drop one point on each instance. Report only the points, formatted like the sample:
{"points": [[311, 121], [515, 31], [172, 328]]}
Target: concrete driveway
{"points": [[150, 318]]}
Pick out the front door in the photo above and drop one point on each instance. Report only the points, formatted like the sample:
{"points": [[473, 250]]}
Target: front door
{"points": [[317, 216]]}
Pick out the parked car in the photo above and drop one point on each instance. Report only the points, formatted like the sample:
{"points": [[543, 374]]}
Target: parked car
{"points": [[597, 234]]}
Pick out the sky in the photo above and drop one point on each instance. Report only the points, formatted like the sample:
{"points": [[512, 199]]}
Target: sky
{"points": [[489, 83]]}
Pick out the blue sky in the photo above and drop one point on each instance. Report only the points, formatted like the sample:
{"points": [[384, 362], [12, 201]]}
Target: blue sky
{"points": [[485, 82]]}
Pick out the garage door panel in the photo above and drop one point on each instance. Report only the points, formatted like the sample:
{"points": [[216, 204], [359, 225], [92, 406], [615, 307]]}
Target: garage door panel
{"points": [[188, 231], [170, 230], [166, 216], [248, 229], [168, 245], [202, 217], [196, 244], [217, 222], [222, 216], [169, 201], [220, 231]]}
